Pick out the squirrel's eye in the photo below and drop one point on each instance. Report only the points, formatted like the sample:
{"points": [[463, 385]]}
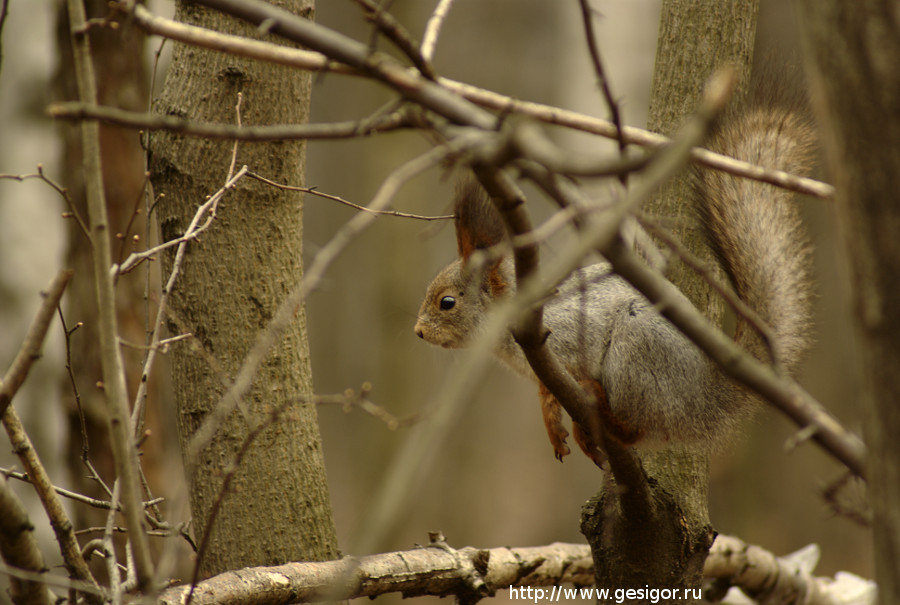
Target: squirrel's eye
{"points": [[447, 303]]}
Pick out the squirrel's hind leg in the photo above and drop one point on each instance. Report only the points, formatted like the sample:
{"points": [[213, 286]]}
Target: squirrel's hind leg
{"points": [[552, 411]]}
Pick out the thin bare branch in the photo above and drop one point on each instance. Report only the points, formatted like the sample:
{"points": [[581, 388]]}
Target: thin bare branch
{"points": [[334, 198], [236, 45], [234, 150], [479, 96], [357, 55], [208, 211], [59, 520], [116, 396], [587, 19], [635, 136], [433, 28], [399, 35], [74, 496], [114, 116], [70, 372], [49, 579], [62, 191], [360, 399], [30, 351]]}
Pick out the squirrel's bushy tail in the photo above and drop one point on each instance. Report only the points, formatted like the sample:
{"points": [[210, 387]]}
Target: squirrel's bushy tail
{"points": [[756, 228]]}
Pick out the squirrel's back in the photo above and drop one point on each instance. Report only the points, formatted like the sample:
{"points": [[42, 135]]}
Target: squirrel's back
{"points": [[657, 382]]}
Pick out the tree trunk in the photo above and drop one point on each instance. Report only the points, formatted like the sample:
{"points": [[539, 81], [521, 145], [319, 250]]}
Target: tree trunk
{"points": [[853, 56], [233, 280], [668, 549]]}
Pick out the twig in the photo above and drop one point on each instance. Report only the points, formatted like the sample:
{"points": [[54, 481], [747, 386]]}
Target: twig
{"points": [[159, 533], [70, 372], [114, 116], [191, 233], [334, 198], [234, 150], [588, 21], [194, 229], [396, 33], [62, 191], [357, 55], [162, 345], [109, 549], [49, 579], [101, 504], [124, 450], [236, 45], [528, 142], [30, 351], [360, 399], [59, 521], [433, 28], [479, 96]]}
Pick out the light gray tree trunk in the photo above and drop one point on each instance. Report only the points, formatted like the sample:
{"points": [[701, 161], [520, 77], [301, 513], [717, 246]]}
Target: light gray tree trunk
{"points": [[234, 278], [668, 549]]}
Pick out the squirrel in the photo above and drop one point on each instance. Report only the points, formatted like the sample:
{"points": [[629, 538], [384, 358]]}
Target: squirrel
{"points": [[652, 384]]}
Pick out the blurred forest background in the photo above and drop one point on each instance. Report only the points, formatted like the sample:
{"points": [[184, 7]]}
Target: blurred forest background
{"points": [[494, 481]]}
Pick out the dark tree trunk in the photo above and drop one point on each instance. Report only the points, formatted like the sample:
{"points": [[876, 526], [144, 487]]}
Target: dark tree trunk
{"points": [[853, 56]]}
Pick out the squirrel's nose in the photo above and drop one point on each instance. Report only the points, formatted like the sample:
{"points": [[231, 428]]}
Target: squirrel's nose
{"points": [[420, 331]]}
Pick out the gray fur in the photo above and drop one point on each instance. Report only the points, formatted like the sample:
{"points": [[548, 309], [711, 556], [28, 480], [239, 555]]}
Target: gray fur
{"points": [[657, 382]]}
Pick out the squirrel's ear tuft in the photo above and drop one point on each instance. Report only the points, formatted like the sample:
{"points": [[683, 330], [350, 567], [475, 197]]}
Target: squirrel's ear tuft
{"points": [[478, 223]]}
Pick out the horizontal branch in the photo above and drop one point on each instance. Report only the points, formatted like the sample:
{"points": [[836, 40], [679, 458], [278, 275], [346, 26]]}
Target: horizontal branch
{"points": [[65, 493], [305, 59], [472, 572], [635, 136], [340, 200], [435, 570], [280, 132]]}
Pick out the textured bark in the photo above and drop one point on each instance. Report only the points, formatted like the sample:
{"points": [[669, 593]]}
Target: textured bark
{"points": [[853, 55], [667, 547], [468, 574], [233, 280]]}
